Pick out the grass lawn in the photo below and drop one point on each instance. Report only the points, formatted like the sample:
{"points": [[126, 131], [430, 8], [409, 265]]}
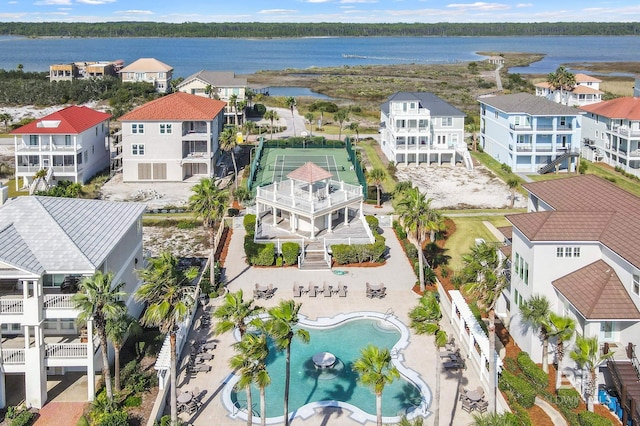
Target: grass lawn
{"points": [[369, 148], [496, 167], [467, 230], [12, 189], [602, 171]]}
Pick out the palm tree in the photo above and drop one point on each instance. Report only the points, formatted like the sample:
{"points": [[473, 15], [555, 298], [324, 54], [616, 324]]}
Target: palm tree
{"points": [[211, 91], [235, 312], [169, 299], [415, 211], [377, 176], [495, 419], [229, 142], [233, 101], [281, 324], [249, 127], [252, 351], [310, 117], [99, 300], [118, 329], [271, 115], [249, 94], [535, 312], [473, 129], [425, 319], [484, 272], [322, 110], [291, 103], [513, 184], [587, 355], [562, 328], [5, 118], [375, 370], [354, 126], [208, 202], [341, 116], [561, 80]]}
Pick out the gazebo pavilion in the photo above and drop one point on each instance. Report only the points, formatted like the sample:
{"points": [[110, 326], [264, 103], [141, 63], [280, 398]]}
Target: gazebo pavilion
{"points": [[309, 204]]}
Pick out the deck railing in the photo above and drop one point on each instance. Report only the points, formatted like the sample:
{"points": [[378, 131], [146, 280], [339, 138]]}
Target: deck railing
{"points": [[11, 306], [58, 301], [13, 356], [66, 350]]}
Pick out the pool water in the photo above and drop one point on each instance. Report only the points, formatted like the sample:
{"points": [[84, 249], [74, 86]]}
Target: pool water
{"points": [[339, 383]]}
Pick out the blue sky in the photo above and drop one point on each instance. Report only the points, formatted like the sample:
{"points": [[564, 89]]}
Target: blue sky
{"points": [[353, 11]]}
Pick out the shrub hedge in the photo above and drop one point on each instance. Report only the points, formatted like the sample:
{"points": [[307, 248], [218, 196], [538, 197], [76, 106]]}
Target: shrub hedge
{"points": [[587, 418], [520, 388], [25, 418], [290, 251], [568, 398], [519, 416], [358, 253], [259, 254], [373, 223], [249, 223], [538, 378]]}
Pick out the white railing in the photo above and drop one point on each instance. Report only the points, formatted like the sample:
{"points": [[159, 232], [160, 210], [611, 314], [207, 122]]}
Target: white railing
{"points": [[58, 301], [13, 356], [11, 306], [66, 350]]}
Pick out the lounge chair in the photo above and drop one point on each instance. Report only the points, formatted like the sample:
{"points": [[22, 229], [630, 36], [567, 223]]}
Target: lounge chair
{"points": [[454, 365], [326, 290], [297, 290], [342, 290], [313, 290]]}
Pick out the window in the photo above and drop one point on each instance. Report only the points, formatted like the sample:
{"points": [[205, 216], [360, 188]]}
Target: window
{"points": [[495, 114], [525, 274], [137, 128], [86, 156], [33, 140], [517, 264], [137, 149], [567, 252], [576, 252], [67, 140], [447, 121], [423, 124], [165, 129], [636, 284], [560, 252]]}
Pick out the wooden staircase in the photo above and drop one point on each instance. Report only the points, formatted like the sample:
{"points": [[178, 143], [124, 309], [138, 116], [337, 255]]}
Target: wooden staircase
{"points": [[314, 257]]}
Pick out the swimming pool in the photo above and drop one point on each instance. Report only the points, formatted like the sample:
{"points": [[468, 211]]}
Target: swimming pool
{"points": [[344, 336]]}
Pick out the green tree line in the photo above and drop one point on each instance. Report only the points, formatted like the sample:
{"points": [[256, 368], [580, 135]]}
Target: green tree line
{"points": [[265, 29], [34, 88]]}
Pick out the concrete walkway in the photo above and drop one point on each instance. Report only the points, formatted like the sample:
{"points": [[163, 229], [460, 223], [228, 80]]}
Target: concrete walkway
{"points": [[553, 414], [398, 277]]}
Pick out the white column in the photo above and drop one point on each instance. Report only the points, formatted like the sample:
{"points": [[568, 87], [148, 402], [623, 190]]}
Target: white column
{"points": [[313, 227], [91, 368], [310, 191], [294, 217], [35, 377], [346, 216], [329, 223], [273, 212], [3, 392]]}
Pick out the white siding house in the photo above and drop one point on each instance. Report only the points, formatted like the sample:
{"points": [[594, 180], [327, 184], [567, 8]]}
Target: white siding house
{"points": [[149, 70], [611, 133], [527, 132], [70, 144], [577, 245], [172, 138], [45, 244], [421, 128], [585, 92]]}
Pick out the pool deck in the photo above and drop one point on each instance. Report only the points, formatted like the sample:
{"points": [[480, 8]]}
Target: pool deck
{"points": [[420, 354]]}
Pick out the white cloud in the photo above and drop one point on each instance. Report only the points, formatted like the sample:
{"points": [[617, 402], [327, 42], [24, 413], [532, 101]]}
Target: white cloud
{"points": [[133, 12], [479, 6], [358, 1], [276, 11], [316, 1], [53, 3], [95, 2], [12, 15], [524, 5]]}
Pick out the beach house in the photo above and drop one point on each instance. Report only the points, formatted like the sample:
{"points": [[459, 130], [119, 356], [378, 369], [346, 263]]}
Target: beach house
{"points": [[577, 245], [149, 70], [420, 128], [172, 138], [47, 245], [530, 133], [586, 91], [70, 144]]}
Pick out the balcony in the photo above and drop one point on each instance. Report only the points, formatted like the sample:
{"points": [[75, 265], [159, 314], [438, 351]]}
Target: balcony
{"points": [[61, 350], [624, 130], [520, 127]]}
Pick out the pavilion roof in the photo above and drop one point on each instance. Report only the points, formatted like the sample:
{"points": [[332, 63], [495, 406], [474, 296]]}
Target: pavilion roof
{"points": [[309, 173]]}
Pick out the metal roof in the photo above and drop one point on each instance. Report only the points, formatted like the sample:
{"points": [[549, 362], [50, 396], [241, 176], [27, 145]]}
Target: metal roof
{"points": [[526, 103], [51, 234], [427, 100]]}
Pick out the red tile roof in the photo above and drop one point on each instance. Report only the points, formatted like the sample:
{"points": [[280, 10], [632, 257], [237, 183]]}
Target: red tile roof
{"points": [[178, 106], [597, 293], [309, 173], [586, 208], [584, 78], [626, 108], [72, 120]]}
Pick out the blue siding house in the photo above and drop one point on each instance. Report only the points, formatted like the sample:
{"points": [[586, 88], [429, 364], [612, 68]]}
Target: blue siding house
{"points": [[530, 133]]}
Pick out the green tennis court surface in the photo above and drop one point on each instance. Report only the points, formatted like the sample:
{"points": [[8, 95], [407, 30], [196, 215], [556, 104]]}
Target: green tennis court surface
{"points": [[276, 163]]}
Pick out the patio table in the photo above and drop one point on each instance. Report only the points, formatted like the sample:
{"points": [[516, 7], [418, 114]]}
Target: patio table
{"points": [[185, 397]]}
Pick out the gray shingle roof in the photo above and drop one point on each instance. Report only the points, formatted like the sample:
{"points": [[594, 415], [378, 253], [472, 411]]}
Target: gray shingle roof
{"points": [[526, 103], [217, 78], [437, 106], [50, 234]]}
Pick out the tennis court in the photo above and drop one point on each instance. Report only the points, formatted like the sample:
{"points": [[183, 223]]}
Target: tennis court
{"points": [[276, 163]]}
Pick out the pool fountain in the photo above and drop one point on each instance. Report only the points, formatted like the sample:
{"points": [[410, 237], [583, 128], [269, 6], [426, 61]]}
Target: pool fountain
{"points": [[322, 374]]}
